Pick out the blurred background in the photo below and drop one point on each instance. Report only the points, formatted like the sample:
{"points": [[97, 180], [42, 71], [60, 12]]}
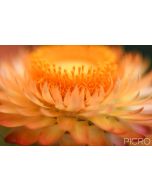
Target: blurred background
{"points": [[8, 51], [146, 50]]}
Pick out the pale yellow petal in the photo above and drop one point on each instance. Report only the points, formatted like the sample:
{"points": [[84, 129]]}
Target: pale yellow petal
{"points": [[115, 126], [80, 133], [56, 95], [46, 94]]}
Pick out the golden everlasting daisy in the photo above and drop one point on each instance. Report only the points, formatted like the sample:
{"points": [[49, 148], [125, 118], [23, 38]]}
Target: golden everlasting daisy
{"points": [[76, 95]]}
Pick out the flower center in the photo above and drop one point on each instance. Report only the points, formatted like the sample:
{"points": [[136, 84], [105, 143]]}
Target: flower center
{"points": [[87, 67]]}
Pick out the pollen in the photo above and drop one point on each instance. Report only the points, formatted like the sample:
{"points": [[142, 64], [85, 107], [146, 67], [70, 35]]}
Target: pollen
{"points": [[87, 67]]}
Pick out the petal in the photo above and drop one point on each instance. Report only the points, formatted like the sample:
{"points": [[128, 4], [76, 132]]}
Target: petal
{"points": [[56, 95], [67, 140], [50, 135], [80, 133], [115, 126], [46, 94], [50, 112], [35, 99], [75, 100], [96, 98], [141, 129], [66, 124], [12, 120], [22, 136], [40, 122], [96, 136], [28, 111], [7, 108]]}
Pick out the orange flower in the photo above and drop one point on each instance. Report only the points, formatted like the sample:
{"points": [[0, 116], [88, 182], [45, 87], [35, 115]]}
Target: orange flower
{"points": [[76, 95]]}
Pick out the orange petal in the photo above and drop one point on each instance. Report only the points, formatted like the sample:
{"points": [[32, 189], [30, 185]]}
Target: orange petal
{"points": [[12, 120], [40, 122], [50, 135], [22, 136], [66, 124]]}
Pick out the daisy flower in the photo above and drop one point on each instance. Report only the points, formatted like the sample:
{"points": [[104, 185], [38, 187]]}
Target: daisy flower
{"points": [[76, 95]]}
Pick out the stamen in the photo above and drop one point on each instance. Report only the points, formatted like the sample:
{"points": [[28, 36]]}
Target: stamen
{"points": [[70, 66]]}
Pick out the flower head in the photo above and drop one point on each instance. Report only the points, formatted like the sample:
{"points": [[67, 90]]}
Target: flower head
{"points": [[75, 95]]}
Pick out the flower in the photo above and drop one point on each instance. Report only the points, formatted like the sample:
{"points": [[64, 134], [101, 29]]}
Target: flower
{"points": [[76, 95]]}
